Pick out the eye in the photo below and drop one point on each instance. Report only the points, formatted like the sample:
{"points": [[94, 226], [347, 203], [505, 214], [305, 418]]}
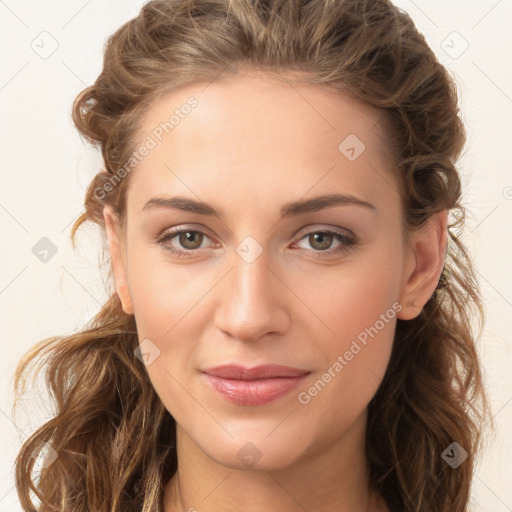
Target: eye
{"points": [[189, 239], [189, 242], [321, 241]]}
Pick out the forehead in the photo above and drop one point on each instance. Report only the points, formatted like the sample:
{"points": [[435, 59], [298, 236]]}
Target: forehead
{"points": [[257, 132]]}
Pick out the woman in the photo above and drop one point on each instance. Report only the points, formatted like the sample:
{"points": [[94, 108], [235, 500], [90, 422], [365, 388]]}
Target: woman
{"points": [[290, 327]]}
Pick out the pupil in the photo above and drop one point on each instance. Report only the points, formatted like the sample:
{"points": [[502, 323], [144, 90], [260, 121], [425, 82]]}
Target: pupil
{"points": [[320, 237], [189, 238]]}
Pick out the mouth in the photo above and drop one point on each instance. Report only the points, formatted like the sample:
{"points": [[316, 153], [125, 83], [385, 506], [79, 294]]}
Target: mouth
{"points": [[254, 386]]}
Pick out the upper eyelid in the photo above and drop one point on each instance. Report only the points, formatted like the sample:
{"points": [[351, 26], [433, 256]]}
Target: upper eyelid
{"points": [[302, 232]]}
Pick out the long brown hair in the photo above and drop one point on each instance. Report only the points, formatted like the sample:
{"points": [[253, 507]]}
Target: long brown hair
{"points": [[114, 439]]}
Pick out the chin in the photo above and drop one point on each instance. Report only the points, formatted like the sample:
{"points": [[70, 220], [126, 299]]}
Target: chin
{"points": [[259, 452]]}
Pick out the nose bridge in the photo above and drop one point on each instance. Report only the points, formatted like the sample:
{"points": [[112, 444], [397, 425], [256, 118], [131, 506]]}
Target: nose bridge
{"points": [[251, 278], [250, 306]]}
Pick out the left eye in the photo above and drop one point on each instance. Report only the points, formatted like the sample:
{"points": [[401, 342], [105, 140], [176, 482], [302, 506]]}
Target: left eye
{"points": [[323, 240], [191, 240]]}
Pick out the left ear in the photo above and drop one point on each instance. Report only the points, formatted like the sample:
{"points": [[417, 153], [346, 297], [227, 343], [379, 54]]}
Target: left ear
{"points": [[428, 246]]}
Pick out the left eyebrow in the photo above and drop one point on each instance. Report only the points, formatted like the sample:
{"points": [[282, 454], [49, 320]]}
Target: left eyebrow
{"points": [[287, 210]]}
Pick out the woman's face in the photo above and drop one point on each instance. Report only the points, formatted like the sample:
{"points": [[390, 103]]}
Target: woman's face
{"points": [[279, 277]]}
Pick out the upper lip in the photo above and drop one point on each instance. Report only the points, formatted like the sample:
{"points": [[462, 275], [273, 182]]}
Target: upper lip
{"points": [[231, 371]]}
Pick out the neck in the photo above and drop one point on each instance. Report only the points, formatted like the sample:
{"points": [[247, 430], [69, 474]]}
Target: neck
{"points": [[333, 479]]}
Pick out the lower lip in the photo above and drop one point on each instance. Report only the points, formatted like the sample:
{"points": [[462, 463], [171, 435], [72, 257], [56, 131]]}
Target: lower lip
{"points": [[254, 392]]}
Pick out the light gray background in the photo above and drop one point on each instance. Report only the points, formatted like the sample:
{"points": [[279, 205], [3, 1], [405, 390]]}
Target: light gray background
{"points": [[45, 168]]}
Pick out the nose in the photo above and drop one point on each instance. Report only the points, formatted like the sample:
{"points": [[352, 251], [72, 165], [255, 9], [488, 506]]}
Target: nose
{"points": [[252, 301]]}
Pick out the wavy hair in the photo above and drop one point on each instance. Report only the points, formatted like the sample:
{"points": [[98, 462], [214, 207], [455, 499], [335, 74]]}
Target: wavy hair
{"points": [[114, 439]]}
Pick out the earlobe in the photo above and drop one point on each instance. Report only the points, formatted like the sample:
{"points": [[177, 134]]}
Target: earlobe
{"points": [[116, 256], [428, 245]]}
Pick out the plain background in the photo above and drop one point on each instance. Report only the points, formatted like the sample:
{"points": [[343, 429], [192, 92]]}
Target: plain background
{"points": [[46, 167]]}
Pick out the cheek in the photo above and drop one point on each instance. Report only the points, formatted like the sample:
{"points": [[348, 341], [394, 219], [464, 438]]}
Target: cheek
{"points": [[163, 294], [354, 296], [164, 303], [360, 310]]}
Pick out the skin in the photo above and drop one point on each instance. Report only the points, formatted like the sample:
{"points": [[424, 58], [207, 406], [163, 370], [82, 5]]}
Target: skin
{"points": [[252, 144]]}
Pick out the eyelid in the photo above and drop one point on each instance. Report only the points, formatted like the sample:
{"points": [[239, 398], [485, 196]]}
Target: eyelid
{"points": [[344, 236], [303, 231], [184, 227], [326, 227]]}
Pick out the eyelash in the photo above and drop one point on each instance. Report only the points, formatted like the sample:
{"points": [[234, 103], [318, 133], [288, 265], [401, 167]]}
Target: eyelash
{"points": [[347, 242]]}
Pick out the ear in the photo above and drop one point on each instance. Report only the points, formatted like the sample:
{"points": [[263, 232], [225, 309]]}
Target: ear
{"points": [[427, 252], [117, 258]]}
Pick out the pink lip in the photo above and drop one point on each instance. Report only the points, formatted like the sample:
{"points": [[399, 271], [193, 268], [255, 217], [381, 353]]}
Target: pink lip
{"points": [[254, 386]]}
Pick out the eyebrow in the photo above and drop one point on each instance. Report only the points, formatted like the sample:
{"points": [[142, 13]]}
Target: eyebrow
{"points": [[287, 210]]}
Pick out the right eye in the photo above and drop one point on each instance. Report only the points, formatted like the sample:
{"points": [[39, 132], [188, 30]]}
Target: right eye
{"points": [[187, 238]]}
